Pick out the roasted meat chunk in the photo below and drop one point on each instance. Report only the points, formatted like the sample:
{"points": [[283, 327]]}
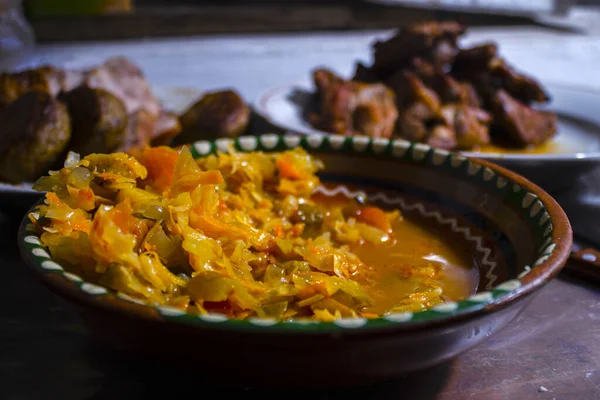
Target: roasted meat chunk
{"points": [[442, 137], [167, 126], [520, 86], [410, 127], [98, 120], [375, 113], [334, 102], [47, 79], [349, 107], [139, 131], [525, 125], [35, 132], [445, 96], [470, 125], [489, 72], [409, 89], [475, 58], [126, 81], [433, 41], [216, 114], [365, 74], [447, 88], [13, 85]]}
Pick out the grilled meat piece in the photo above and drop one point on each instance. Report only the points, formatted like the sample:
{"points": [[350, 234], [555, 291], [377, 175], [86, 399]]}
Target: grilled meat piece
{"points": [[445, 96], [475, 58], [35, 132], [126, 81], [452, 91], [13, 85], [525, 125], [375, 113], [216, 114], [138, 133], [166, 128], [335, 103], [364, 74], [433, 41], [410, 128], [470, 125], [424, 118], [488, 72], [520, 86], [349, 107], [442, 137], [409, 89], [45, 79], [447, 88], [98, 120], [443, 52]]}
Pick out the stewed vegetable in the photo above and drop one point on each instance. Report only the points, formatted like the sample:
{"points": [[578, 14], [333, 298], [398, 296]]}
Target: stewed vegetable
{"points": [[244, 234]]}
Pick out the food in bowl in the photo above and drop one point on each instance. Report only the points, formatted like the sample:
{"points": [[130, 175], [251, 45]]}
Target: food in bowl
{"points": [[242, 234], [423, 87]]}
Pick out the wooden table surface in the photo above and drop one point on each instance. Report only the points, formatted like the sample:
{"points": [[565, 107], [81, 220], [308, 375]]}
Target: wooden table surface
{"points": [[552, 351]]}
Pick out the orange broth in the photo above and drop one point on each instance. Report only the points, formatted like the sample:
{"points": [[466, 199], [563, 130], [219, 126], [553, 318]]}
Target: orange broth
{"points": [[414, 246]]}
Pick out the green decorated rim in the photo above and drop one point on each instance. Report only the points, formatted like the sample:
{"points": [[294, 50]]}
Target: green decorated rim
{"points": [[538, 212]]}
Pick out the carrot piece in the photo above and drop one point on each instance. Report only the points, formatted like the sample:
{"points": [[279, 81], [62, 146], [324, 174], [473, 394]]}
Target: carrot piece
{"points": [[287, 169], [53, 199], [212, 177], [160, 163], [298, 229], [374, 216], [278, 231]]}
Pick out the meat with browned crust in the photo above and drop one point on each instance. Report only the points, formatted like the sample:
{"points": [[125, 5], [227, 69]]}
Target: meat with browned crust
{"points": [[35, 132], [488, 72], [122, 78], [13, 85], [520, 86], [525, 125], [217, 114], [409, 89], [447, 88], [433, 41], [375, 113], [362, 73], [334, 102], [470, 125], [474, 58], [350, 107], [445, 96], [98, 120]]}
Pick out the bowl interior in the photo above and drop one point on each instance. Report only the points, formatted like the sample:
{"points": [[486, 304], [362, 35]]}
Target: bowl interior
{"points": [[518, 237]]}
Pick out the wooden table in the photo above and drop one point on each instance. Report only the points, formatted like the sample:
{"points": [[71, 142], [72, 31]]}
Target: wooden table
{"points": [[552, 351]]}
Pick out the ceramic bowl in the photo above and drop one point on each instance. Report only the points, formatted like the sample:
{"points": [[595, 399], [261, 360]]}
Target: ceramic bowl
{"points": [[517, 235]]}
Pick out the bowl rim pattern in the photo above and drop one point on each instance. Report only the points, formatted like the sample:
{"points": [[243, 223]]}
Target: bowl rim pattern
{"points": [[537, 208]]}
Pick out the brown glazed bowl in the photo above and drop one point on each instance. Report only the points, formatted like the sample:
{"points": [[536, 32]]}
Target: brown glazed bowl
{"points": [[518, 235]]}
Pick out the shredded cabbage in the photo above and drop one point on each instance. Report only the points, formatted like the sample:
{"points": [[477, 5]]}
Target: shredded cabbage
{"points": [[236, 233]]}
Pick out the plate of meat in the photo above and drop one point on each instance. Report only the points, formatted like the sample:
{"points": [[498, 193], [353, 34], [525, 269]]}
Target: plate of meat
{"points": [[423, 87], [48, 114]]}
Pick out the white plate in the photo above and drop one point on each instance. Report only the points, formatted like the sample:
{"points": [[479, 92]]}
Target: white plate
{"points": [[174, 99], [575, 148]]}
